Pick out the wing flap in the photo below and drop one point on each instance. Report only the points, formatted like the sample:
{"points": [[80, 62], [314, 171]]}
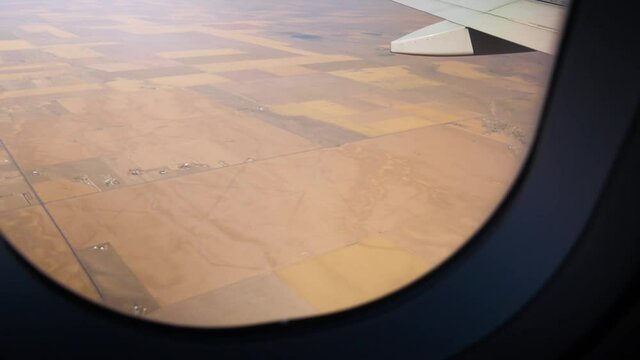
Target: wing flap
{"points": [[443, 38]]}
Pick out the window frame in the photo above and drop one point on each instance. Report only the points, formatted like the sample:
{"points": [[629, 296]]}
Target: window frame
{"points": [[590, 107]]}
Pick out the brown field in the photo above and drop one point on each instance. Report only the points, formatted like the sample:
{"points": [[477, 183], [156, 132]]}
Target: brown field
{"points": [[222, 163]]}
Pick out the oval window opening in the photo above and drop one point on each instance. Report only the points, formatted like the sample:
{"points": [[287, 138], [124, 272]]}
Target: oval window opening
{"points": [[220, 163]]}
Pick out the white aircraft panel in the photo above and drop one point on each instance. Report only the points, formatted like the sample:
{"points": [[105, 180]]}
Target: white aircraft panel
{"points": [[534, 13], [482, 5]]}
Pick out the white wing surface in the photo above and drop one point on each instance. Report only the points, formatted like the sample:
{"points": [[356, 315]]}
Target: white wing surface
{"points": [[533, 24]]}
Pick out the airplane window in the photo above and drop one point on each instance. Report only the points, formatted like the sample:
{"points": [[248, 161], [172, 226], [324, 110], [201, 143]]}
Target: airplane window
{"points": [[221, 163]]}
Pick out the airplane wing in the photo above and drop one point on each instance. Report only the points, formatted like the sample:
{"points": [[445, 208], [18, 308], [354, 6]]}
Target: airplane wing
{"points": [[531, 23]]}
